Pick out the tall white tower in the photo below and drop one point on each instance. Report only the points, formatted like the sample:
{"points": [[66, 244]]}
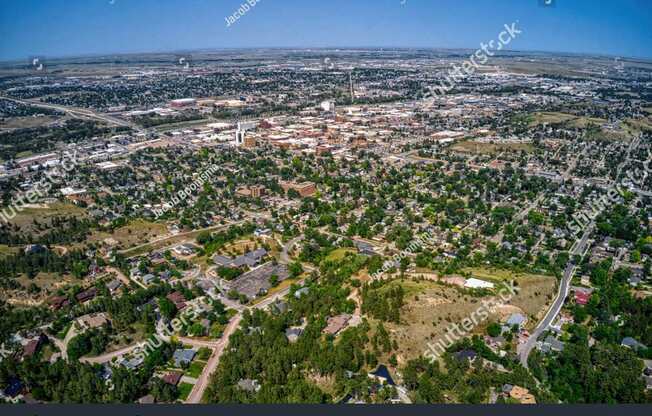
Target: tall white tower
{"points": [[240, 135]]}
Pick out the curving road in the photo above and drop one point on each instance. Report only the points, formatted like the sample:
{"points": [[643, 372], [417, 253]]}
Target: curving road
{"points": [[78, 112], [285, 253], [524, 350], [564, 286], [105, 358]]}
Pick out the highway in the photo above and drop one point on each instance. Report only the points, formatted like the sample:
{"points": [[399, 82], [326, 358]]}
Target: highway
{"points": [[77, 112]]}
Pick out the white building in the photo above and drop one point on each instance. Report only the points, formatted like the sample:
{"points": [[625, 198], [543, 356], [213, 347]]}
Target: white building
{"points": [[474, 283]]}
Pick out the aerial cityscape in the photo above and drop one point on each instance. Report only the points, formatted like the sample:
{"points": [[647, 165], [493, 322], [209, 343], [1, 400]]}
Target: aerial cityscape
{"points": [[258, 220]]}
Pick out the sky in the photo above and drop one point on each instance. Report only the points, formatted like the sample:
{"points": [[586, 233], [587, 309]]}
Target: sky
{"points": [[57, 28]]}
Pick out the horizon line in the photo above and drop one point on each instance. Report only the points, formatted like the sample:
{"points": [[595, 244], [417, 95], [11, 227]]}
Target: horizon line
{"points": [[216, 49]]}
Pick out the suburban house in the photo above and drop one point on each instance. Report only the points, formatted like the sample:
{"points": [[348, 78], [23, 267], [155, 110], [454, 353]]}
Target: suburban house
{"points": [[516, 320], [631, 343], [551, 343], [183, 356], [114, 285], [172, 378], [58, 302], [582, 297], [33, 345], [86, 295], [336, 323], [178, 299], [381, 375]]}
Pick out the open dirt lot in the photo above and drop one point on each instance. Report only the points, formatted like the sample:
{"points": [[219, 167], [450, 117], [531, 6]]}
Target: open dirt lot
{"points": [[431, 307]]}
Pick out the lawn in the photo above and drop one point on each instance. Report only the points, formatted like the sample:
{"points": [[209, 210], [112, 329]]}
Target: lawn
{"points": [[338, 254], [204, 353], [184, 390], [195, 369]]}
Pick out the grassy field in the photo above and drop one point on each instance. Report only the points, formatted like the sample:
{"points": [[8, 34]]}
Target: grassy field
{"points": [[184, 390], [338, 254], [195, 369], [532, 286], [569, 119], [430, 308], [241, 246], [132, 234], [593, 125], [44, 214], [7, 251], [12, 123], [641, 125], [49, 282], [470, 146], [496, 275]]}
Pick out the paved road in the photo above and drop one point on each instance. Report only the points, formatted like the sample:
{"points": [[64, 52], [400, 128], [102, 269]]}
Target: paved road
{"points": [[123, 278], [105, 358], [564, 286], [285, 253], [197, 392], [525, 349], [218, 347]]}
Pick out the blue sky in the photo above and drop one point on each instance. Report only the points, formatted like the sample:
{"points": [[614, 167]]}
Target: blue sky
{"points": [[78, 27]]}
